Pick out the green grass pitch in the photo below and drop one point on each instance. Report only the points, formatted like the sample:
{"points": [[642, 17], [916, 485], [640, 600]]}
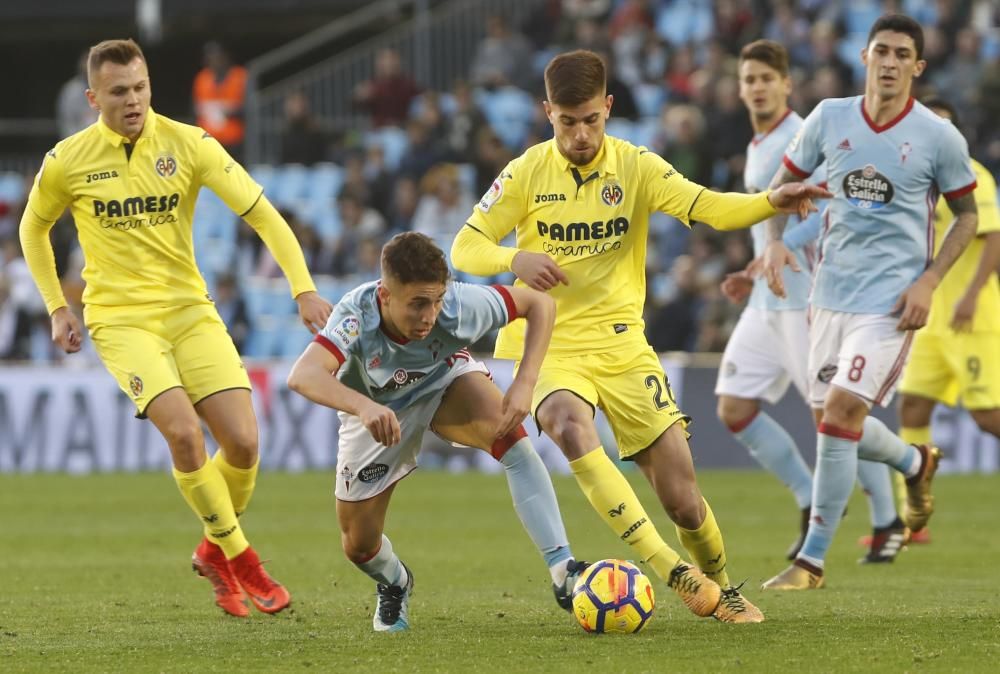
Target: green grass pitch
{"points": [[95, 577]]}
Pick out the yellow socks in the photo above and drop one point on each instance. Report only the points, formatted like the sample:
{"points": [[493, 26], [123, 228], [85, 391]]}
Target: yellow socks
{"points": [[705, 546], [205, 491], [613, 499], [240, 481], [912, 436]]}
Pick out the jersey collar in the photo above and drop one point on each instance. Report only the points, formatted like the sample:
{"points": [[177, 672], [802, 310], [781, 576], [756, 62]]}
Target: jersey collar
{"points": [[892, 122], [148, 129], [606, 161]]}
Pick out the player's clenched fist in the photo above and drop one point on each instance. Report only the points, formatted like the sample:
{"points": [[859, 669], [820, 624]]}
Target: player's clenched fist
{"points": [[381, 422], [538, 270], [66, 330]]}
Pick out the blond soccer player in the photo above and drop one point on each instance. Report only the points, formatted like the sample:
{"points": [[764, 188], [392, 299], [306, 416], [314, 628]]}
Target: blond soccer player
{"points": [[131, 181], [580, 205]]}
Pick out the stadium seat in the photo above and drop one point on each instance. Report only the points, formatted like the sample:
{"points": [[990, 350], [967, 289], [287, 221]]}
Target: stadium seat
{"points": [[467, 178], [681, 22], [649, 98], [11, 187], [290, 185], [265, 175], [621, 128], [325, 181], [647, 133], [267, 297], [393, 142], [509, 111]]}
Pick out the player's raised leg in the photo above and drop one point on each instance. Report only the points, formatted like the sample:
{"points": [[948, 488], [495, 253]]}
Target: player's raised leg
{"points": [[230, 417], [470, 414], [364, 544]]}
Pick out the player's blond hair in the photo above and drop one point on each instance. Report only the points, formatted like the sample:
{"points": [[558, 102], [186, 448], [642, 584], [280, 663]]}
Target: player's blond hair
{"points": [[121, 52], [575, 77]]}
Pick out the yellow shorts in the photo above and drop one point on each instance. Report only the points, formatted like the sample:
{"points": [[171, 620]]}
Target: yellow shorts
{"points": [[629, 386], [151, 350], [955, 368]]}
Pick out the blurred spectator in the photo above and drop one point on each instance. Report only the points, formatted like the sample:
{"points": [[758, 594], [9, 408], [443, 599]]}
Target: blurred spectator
{"points": [[422, 152], [956, 81], [823, 41], [683, 142], [673, 326], [631, 17], [232, 309], [219, 95], [381, 181], [542, 23], [464, 123], [624, 105], [388, 95], [303, 142], [444, 206], [359, 222], [731, 128], [318, 255], [405, 198], [791, 29], [503, 57], [680, 67], [73, 111], [27, 316]]}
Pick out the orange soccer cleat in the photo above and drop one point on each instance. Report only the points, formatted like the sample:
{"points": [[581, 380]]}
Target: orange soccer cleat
{"points": [[268, 595], [209, 562]]}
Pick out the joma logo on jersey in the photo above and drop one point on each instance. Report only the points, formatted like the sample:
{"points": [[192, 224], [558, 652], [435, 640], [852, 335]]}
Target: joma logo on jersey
{"points": [[583, 231], [136, 205], [101, 175], [540, 198]]}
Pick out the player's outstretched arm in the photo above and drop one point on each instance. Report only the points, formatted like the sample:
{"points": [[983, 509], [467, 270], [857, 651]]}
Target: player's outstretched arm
{"points": [[989, 262], [914, 304], [539, 310], [314, 376]]}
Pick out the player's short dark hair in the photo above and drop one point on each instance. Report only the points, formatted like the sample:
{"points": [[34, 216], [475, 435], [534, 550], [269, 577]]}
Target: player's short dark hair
{"points": [[899, 23], [575, 77], [768, 52], [412, 257], [936, 102], [121, 52]]}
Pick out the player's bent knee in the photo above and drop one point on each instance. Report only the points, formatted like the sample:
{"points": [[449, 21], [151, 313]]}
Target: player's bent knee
{"points": [[688, 515], [500, 447], [736, 413]]}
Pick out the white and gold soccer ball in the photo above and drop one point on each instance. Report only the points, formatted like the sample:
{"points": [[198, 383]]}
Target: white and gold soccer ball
{"points": [[613, 595]]}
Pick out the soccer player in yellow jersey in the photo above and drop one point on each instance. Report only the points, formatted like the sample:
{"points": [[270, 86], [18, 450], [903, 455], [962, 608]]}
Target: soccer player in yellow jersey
{"points": [[131, 180], [580, 204], [956, 357]]}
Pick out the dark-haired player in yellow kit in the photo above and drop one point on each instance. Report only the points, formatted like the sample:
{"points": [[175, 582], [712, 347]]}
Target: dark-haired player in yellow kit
{"points": [[580, 204], [131, 181], [956, 357]]}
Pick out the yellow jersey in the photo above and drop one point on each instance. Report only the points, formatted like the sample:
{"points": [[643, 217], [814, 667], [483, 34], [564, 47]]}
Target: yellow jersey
{"points": [[593, 221], [133, 205], [957, 280]]}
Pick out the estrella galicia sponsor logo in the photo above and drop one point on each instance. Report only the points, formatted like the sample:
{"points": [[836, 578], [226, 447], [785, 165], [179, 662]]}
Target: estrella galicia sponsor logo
{"points": [[597, 231], [632, 529], [165, 165], [373, 472], [611, 193], [137, 211], [542, 198], [867, 188], [101, 175], [826, 373]]}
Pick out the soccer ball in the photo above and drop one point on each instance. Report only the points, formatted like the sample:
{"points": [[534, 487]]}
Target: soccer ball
{"points": [[613, 595]]}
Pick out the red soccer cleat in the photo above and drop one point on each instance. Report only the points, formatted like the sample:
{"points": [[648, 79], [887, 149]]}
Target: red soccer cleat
{"points": [[209, 562], [268, 595]]}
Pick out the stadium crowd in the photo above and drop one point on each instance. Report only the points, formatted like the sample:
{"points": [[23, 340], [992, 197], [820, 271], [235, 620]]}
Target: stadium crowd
{"points": [[426, 156]]}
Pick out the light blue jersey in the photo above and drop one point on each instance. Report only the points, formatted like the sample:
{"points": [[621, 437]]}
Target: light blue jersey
{"points": [[879, 234], [764, 154], [396, 373]]}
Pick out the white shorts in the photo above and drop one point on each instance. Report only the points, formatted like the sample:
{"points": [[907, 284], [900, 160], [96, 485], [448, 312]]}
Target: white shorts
{"points": [[365, 467], [863, 354], [767, 351]]}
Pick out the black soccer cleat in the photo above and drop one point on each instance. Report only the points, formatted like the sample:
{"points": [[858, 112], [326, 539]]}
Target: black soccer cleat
{"points": [[887, 542], [564, 592]]}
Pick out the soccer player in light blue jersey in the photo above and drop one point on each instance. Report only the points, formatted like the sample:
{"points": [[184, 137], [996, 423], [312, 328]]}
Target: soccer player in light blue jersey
{"points": [[770, 345], [887, 159], [399, 350]]}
